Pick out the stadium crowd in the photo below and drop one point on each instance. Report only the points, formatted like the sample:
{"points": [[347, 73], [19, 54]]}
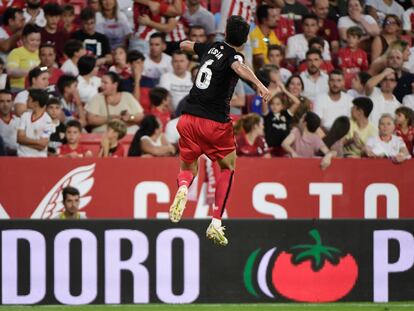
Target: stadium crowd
{"points": [[341, 74]]}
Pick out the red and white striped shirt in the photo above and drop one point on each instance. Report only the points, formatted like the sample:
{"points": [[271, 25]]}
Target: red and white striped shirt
{"points": [[243, 8]]}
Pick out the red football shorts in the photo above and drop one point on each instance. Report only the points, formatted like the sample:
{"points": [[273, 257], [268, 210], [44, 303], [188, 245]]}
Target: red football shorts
{"points": [[204, 136]]}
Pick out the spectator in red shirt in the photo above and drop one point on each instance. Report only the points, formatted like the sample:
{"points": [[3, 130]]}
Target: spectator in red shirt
{"points": [[110, 145], [160, 100], [120, 66], [47, 55], [73, 148], [404, 118], [352, 59], [327, 28], [68, 19], [51, 32], [250, 141]]}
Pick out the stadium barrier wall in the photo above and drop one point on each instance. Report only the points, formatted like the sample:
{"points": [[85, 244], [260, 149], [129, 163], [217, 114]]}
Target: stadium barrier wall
{"points": [[143, 188], [152, 261]]}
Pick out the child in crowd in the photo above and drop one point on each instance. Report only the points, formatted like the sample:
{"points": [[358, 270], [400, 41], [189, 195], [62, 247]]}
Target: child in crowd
{"points": [[303, 142], [250, 141], [361, 128], [404, 118], [317, 43], [358, 84], [352, 59], [71, 103], [387, 145], [57, 138], [110, 145], [68, 19], [73, 148], [121, 65], [276, 54], [278, 121], [160, 100], [74, 50], [35, 126]]}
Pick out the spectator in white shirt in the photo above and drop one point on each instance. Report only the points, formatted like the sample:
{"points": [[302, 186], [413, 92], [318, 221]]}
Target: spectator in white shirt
{"points": [[74, 50], [379, 8], [35, 126], [38, 79], [382, 97], [178, 82], [88, 82], [9, 123], [387, 145], [356, 17], [297, 45], [335, 103], [33, 13], [157, 62], [314, 80]]}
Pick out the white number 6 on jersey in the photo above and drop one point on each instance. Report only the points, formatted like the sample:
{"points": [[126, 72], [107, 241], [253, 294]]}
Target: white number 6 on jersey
{"points": [[204, 75]]}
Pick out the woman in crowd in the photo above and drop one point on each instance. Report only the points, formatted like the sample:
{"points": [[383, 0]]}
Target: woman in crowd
{"points": [[295, 87], [112, 104], [121, 65], [391, 30], [112, 23], [250, 141], [150, 141]]}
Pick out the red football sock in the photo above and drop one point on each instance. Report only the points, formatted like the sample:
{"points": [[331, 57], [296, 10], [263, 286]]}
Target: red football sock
{"points": [[185, 178], [222, 192]]}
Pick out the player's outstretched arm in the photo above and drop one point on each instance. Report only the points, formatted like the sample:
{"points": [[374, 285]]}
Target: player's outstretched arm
{"points": [[244, 72], [187, 46]]}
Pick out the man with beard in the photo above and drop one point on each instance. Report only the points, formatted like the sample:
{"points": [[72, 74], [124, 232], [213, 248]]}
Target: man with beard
{"points": [[34, 14], [314, 80], [335, 103], [263, 35]]}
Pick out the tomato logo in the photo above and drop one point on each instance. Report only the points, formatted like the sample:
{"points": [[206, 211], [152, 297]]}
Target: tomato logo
{"points": [[305, 273]]}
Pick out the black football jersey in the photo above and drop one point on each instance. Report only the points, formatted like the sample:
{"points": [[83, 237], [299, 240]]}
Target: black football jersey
{"points": [[214, 86]]}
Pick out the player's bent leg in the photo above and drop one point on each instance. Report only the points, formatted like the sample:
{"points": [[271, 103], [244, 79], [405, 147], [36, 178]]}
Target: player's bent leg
{"points": [[184, 179], [215, 231]]}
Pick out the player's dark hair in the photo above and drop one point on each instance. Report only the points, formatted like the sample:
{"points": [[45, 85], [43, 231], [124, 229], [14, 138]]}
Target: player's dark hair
{"points": [[134, 55], [36, 72], [68, 8], [69, 191], [52, 9], [65, 81], [275, 47], [119, 127], [147, 127], [29, 29], [339, 129], [312, 121], [309, 16], [316, 40], [86, 64], [364, 77], [237, 30], [53, 101], [71, 47], [74, 123], [247, 123], [39, 96], [313, 51], [87, 14], [157, 95], [408, 113], [262, 12], [355, 31], [365, 104], [10, 13], [158, 35]]}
